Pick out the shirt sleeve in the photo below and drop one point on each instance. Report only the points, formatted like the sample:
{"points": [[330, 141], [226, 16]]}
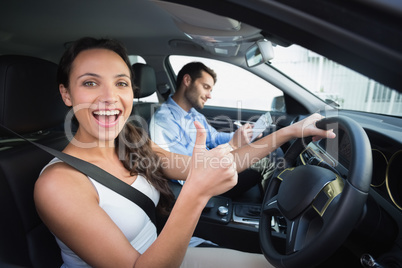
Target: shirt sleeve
{"points": [[169, 135], [214, 137]]}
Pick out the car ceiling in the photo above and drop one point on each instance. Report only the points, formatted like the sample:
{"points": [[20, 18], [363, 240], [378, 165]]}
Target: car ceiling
{"points": [[367, 38], [144, 26], [48, 24]]}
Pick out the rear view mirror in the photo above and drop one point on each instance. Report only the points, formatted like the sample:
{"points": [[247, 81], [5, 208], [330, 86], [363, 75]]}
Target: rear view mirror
{"points": [[259, 53]]}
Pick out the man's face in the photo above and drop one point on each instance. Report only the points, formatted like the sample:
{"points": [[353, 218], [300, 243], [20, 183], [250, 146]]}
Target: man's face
{"points": [[199, 91]]}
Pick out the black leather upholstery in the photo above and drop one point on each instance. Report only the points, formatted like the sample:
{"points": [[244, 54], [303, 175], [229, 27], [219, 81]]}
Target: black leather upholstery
{"points": [[29, 104], [30, 99], [145, 80]]}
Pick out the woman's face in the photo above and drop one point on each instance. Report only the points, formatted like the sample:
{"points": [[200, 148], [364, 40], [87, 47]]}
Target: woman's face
{"points": [[101, 94]]}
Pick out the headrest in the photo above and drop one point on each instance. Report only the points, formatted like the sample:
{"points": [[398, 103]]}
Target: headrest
{"points": [[144, 79], [29, 97]]}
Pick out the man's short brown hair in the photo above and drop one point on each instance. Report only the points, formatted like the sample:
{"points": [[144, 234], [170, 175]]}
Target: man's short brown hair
{"points": [[194, 70]]}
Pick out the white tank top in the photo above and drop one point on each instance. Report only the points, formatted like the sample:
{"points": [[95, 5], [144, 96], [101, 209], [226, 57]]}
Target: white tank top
{"points": [[129, 217]]}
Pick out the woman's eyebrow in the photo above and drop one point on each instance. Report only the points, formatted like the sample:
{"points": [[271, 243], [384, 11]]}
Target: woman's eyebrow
{"points": [[89, 74], [122, 75], [96, 75]]}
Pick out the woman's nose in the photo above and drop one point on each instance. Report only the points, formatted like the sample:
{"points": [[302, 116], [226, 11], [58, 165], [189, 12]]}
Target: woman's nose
{"points": [[109, 94]]}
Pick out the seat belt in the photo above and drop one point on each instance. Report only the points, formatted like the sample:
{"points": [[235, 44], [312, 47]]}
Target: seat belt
{"points": [[101, 176]]}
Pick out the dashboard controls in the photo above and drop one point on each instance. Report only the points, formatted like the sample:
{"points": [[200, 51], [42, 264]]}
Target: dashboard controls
{"points": [[218, 210], [223, 210]]}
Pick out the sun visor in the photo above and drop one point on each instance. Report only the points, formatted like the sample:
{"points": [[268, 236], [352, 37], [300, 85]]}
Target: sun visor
{"points": [[190, 17], [217, 34]]}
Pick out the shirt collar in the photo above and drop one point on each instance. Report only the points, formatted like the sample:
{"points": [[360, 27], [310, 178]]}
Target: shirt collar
{"points": [[179, 112]]}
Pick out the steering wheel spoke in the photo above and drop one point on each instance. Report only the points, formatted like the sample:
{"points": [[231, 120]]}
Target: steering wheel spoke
{"points": [[326, 216], [271, 206], [301, 230], [296, 233]]}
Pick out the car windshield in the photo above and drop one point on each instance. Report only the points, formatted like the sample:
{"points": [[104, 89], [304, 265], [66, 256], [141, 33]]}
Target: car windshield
{"points": [[335, 83]]}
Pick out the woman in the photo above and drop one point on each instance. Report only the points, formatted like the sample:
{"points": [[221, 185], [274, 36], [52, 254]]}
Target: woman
{"points": [[95, 226]]}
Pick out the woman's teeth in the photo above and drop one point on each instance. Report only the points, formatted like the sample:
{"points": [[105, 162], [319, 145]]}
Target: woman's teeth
{"points": [[108, 113], [107, 117]]}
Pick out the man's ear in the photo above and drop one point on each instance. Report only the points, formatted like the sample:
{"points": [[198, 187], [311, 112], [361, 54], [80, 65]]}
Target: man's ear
{"points": [[186, 80], [65, 95]]}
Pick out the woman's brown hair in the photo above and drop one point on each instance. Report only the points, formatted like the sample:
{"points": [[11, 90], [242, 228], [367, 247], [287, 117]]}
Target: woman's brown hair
{"points": [[139, 158]]}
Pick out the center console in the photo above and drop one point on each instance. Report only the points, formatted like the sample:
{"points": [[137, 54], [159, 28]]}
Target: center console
{"points": [[222, 210]]}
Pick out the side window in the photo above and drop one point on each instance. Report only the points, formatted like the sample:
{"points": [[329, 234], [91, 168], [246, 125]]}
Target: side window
{"points": [[154, 97], [235, 86]]}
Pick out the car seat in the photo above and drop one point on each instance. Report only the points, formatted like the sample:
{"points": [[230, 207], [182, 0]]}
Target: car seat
{"points": [[30, 104], [145, 82]]}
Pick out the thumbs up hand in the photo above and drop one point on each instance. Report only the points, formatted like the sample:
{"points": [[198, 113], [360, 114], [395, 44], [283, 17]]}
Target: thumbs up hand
{"points": [[212, 172]]}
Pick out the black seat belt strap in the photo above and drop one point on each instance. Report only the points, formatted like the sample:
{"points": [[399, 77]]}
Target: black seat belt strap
{"points": [[101, 176]]}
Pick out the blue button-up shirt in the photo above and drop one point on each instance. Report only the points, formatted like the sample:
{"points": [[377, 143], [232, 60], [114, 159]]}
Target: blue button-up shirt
{"points": [[173, 129]]}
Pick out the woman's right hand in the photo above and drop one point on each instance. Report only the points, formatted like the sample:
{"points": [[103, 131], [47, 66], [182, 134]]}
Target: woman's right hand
{"points": [[307, 127], [212, 172]]}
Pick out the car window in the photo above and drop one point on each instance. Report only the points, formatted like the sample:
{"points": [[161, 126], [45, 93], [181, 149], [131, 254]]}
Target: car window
{"points": [[234, 85], [135, 59], [333, 82]]}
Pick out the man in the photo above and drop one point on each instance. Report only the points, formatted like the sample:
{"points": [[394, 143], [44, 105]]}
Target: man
{"points": [[172, 127]]}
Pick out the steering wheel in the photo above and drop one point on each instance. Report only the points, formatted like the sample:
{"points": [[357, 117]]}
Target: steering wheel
{"points": [[319, 206]]}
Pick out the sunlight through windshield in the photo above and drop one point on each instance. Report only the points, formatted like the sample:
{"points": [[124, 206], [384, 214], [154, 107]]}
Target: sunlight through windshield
{"points": [[333, 82]]}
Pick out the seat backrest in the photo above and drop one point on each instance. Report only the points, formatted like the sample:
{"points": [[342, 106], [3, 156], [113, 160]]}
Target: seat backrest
{"points": [[145, 81], [30, 104]]}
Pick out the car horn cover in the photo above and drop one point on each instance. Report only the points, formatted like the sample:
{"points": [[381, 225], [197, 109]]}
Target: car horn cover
{"points": [[303, 184]]}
